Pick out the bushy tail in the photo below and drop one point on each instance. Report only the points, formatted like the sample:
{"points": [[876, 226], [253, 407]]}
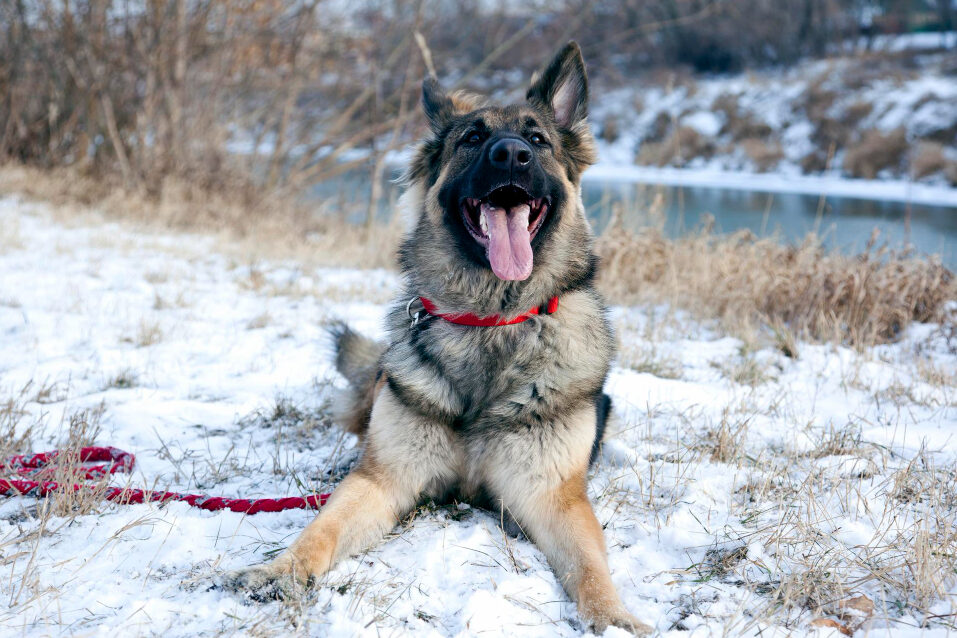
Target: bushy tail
{"points": [[357, 359]]}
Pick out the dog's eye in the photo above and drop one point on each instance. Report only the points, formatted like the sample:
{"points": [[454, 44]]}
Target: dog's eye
{"points": [[473, 138], [536, 139]]}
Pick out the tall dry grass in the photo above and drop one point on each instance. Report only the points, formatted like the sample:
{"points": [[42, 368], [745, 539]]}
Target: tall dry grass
{"points": [[753, 283]]}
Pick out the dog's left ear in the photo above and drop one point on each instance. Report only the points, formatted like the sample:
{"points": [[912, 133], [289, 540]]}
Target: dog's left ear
{"points": [[438, 107], [562, 87]]}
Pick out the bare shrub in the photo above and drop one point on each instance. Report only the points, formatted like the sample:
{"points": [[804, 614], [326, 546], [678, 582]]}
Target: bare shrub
{"points": [[728, 105], [856, 112], [739, 124], [679, 148], [814, 162], [610, 128], [765, 155], [816, 104], [950, 172], [928, 159], [875, 152], [659, 128]]}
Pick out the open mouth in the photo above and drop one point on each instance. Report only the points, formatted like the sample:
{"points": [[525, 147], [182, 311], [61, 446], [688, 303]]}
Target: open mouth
{"points": [[504, 222]]}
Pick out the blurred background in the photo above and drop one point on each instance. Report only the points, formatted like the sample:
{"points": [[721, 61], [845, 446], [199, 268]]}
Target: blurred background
{"points": [[753, 114]]}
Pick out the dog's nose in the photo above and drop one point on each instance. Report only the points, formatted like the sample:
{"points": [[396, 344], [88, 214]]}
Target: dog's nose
{"points": [[510, 154]]}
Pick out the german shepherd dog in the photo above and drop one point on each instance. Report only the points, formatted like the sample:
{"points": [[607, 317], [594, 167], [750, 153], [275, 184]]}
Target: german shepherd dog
{"points": [[490, 385]]}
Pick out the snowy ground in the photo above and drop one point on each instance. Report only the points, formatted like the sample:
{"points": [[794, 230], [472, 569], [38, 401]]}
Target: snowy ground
{"points": [[746, 492]]}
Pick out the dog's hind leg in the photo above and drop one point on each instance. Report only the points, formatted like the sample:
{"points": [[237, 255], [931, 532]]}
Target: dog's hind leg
{"points": [[406, 457]]}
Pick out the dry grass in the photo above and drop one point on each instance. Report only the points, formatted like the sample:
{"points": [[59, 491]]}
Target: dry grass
{"points": [[749, 282], [21, 427], [745, 369], [146, 334], [928, 159], [17, 424], [123, 380], [266, 227], [645, 358], [788, 545], [82, 431]]}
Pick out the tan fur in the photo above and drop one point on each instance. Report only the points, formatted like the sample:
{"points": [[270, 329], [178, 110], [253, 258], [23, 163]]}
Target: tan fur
{"points": [[465, 102], [550, 503]]}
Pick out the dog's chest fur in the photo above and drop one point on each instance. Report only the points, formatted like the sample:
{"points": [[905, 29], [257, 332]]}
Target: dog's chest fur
{"points": [[523, 376]]}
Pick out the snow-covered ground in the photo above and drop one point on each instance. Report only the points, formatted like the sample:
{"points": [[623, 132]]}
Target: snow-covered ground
{"points": [[745, 492]]}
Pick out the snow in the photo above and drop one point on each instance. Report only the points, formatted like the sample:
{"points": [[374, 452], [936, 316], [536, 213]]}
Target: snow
{"points": [[911, 41], [213, 339], [705, 122]]}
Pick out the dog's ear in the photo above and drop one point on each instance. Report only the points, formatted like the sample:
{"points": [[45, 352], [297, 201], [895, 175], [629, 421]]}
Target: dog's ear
{"points": [[438, 107], [562, 87]]}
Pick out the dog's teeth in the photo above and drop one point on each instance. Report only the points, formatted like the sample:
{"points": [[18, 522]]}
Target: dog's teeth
{"points": [[483, 223]]}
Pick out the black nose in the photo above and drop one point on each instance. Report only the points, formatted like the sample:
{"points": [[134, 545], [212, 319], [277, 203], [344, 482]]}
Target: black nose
{"points": [[510, 154]]}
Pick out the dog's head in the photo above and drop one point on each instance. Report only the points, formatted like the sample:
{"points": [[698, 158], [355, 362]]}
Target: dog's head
{"points": [[502, 182]]}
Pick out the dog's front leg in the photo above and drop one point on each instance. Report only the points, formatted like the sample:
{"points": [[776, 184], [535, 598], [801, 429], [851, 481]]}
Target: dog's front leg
{"points": [[539, 477], [562, 523], [406, 456]]}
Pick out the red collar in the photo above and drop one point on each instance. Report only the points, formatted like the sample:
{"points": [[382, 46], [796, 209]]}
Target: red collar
{"points": [[468, 319]]}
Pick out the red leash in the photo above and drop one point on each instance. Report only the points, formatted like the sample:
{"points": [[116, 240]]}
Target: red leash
{"points": [[115, 460]]}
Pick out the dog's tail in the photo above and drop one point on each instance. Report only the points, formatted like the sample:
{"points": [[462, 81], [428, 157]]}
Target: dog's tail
{"points": [[603, 409], [357, 359]]}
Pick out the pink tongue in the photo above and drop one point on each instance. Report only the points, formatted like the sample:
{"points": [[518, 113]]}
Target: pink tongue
{"points": [[509, 243]]}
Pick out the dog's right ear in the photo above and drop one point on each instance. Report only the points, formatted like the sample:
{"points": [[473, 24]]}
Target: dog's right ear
{"points": [[438, 107], [562, 87]]}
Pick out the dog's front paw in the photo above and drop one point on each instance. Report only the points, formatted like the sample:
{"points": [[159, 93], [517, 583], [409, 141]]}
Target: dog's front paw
{"points": [[632, 624], [621, 619], [264, 583]]}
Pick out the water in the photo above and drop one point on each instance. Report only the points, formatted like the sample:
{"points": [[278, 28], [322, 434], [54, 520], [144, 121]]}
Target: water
{"points": [[844, 223]]}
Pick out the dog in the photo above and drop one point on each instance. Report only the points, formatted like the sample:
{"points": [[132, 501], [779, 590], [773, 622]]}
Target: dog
{"points": [[489, 386]]}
